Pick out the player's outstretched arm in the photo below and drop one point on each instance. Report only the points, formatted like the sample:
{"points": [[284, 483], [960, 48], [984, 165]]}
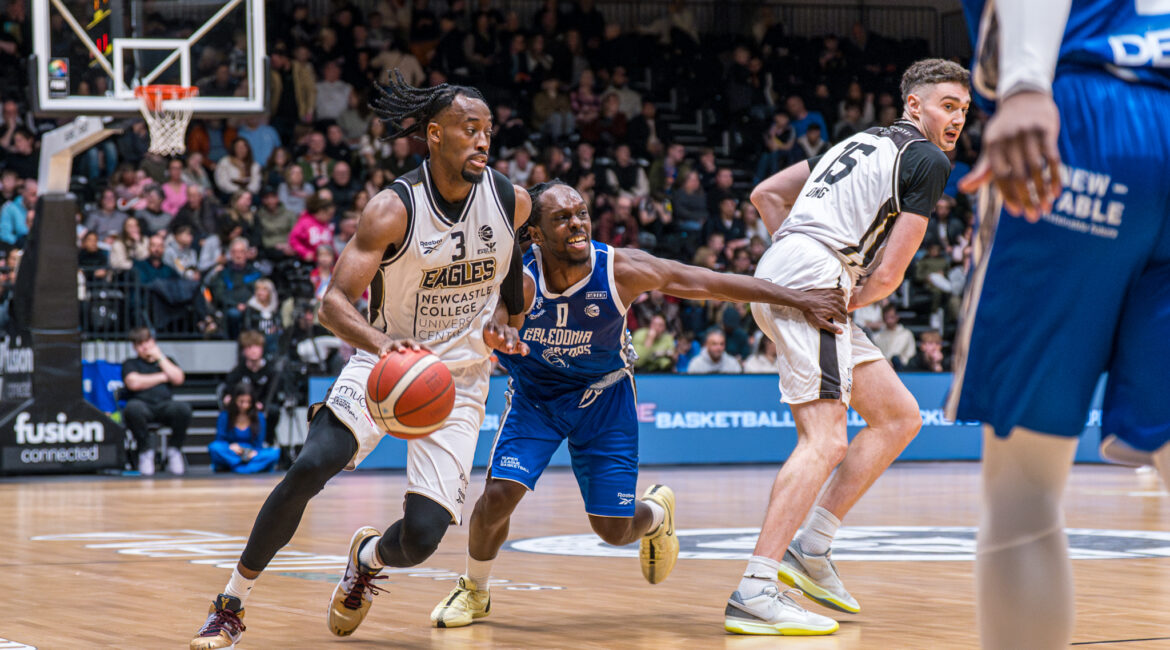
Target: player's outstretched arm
{"points": [[637, 272], [904, 241], [382, 224], [775, 196], [1020, 154]]}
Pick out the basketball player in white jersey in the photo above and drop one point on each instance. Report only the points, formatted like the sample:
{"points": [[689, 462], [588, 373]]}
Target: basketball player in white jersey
{"points": [[433, 251], [852, 218]]}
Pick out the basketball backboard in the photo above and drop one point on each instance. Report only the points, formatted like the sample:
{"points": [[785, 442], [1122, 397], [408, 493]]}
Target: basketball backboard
{"points": [[89, 55]]}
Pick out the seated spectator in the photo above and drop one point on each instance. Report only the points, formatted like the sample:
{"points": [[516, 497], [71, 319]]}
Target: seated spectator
{"points": [[653, 303], [552, 113], [129, 186], [377, 179], [690, 208], [521, 167], [646, 131], [106, 220], [893, 339], [24, 157], [93, 262], [401, 159], [232, 287], [152, 268], [9, 185], [626, 176], [722, 187], [584, 102], [276, 224], [315, 163], [194, 173], [713, 359], [618, 227], [181, 255], [151, 215], [372, 148], [262, 139], [129, 247], [802, 117], [763, 359], [851, 122], [273, 172], [685, 349], [148, 379], [240, 214], [511, 132], [810, 145], [654, 346], [346, 229], [201, 212], [332, 92], [343, 186], [14, 216], [336, 146], [355, 119], [263, 314], [931, 273], [294, 191], [253, 370], [726, 222], [313, 229], [930, 354], [629, 100], [610, 126], [239, 437], [174, 188], [238, 170], [779, 141], [322, 273], [665, 175]]}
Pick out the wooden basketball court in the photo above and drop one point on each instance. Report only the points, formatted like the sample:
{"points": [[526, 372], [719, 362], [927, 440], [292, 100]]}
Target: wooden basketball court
{"points": [[100, 562]]}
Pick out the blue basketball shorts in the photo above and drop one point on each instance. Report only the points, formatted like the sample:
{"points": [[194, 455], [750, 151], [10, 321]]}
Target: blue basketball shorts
{"points": [[1052, 305], [603, 444]]}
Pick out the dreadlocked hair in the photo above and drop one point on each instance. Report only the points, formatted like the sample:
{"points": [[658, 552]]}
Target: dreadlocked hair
{"points": [[399, 100]]}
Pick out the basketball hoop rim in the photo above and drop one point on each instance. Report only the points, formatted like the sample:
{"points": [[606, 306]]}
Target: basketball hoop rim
{"points": [[154, 94]]}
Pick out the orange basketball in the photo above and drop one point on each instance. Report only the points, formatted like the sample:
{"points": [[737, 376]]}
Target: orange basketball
{"points": [[410, 393]]}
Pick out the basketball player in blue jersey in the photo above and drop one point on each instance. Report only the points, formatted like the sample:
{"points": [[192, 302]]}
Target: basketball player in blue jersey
{"points": [[576, 383], [1079, 146], [441, 235], [852, 218]]}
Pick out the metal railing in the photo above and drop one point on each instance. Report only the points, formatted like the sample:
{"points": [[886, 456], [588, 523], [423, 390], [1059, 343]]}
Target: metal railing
{"points": [[110, 308]]}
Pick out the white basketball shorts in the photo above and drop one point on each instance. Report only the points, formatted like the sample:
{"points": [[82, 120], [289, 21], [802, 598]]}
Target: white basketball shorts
{"points": [[437, 466], [814, 364]]}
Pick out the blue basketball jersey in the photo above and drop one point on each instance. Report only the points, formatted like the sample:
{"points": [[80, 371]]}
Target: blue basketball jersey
{"points": [[575, 338], [1129, 38]]}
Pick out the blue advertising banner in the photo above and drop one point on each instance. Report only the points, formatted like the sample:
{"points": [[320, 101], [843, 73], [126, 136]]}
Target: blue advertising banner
{"points": [[688, 419]]}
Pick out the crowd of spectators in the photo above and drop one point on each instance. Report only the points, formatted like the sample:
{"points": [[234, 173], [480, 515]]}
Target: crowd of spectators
{"points": [[241, 232]]}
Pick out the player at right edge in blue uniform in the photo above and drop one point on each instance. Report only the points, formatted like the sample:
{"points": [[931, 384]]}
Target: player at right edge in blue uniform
{"points": [[1079, 146], [576, 382]]}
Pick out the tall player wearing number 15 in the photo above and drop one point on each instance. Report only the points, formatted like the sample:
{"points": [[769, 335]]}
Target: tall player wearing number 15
{"points": [[852, 218]]}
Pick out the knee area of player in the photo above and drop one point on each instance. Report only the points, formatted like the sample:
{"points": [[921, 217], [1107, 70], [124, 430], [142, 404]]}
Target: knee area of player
{"points": [[418, 540], [500, 498], [613, 530]]}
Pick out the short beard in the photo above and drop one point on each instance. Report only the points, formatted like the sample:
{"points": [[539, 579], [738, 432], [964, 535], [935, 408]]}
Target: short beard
{"points": [[472, 177]]}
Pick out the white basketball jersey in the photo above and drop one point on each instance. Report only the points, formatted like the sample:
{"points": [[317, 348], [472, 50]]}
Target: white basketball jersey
{"points": [[442, 285], [851, 199]]}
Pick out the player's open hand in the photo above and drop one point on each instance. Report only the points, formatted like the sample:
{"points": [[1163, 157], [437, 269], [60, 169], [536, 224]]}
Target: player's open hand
{"points": [[824, 308], [400, 345], [1020, 155], [504, 338]]}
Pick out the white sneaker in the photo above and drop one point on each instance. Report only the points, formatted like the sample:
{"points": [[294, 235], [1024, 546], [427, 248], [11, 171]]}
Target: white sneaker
{"points": [[817, 577], [175, 463], [146, 463], [772, 612]]}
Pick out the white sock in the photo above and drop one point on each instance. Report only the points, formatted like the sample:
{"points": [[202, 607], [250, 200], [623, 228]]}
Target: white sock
{"points": [[368, 554], [239, 586], [817, 534], [760, 572], [479, 571], [657, 515]]}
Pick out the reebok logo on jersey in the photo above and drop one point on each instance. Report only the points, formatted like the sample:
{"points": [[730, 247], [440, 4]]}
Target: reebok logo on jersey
{"points": [[459, 274], [430, 246]]}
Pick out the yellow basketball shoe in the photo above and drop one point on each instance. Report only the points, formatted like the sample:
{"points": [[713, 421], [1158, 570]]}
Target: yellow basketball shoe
{"points": [[353, 596], [816, 576], [659, 549], [223, 627], [463, 605]]}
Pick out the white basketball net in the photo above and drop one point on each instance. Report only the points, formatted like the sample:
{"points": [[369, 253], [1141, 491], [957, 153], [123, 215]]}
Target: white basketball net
{"points": [[166, 120]]}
